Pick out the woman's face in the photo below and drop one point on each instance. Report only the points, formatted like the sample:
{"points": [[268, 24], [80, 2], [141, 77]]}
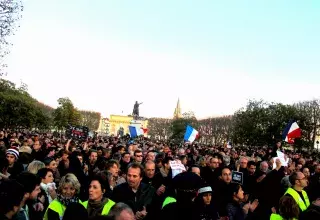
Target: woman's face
{"points": [[206, 198], [68, 190], [95, 191], [48, 178], [240, 194], [53, 165]]}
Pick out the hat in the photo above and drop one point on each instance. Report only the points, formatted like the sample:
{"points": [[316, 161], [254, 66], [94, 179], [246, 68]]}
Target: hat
{"points": [[187, 181], [14, 152], [205, 189], [25, 149]]}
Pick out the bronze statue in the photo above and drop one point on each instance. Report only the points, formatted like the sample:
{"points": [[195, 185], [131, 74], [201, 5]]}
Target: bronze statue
{"points": [[136, 109]]}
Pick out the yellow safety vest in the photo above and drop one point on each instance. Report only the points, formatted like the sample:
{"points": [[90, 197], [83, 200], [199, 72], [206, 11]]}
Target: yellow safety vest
{"points": [[303, 206], [275, 217], [58, 207], [168, 200], [106, 208], [278, 217]]}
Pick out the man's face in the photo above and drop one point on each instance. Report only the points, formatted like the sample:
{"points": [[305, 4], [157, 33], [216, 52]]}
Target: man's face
{"points": [[93, 157], [243, 163], [65, 157], [53, 166], [36, 145], [134, 177], [11, 159], [80, 159], [34, 193], [214, 163], [196, 170], [138, 157], [166, 150], [2, 144], [126, 158], [226, 175], [151, 156], [264, 167], [302, 180], [122, 150], [150, 170], [30, 142], [252, 169], [306, 172]]}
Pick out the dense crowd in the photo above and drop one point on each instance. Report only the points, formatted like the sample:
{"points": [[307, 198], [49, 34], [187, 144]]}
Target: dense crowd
{"points": [[54, 178]]}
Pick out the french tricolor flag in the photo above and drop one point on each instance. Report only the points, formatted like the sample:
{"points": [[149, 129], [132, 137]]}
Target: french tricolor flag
{"points": [[291, 132], [135, 131], [191, 134]]}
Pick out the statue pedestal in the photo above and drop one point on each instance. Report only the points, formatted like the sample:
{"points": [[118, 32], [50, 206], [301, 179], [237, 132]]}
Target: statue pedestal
{"points": [[141, 123]]}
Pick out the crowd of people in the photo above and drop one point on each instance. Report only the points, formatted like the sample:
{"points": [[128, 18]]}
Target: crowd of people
{"points": [[53, 178]]}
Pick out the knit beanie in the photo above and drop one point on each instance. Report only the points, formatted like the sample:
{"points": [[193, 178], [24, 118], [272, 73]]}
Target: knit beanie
{"points": [[13, 152]]}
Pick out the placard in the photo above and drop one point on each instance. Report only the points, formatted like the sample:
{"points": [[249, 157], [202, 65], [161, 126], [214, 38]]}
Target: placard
{"points": [[280, 156], [77, 132], [176, 167], [237, 177]]}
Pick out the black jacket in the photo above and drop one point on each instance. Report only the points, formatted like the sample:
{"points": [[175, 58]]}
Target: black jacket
{"points": [[143, 197]]}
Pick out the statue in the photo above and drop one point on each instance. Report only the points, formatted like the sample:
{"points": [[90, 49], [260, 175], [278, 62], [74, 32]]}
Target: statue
{"points": [[136, 109]]}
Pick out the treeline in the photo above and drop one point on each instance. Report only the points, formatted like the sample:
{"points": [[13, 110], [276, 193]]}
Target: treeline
{"points": [[18, 110], [258, 124]]}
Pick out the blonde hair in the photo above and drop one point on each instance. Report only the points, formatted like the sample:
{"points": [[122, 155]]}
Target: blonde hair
{"points": [[70, 178], [35, 166]]}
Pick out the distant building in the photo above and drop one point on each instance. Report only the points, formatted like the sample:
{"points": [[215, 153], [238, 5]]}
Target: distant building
{"points": [[122, 122], [104, 126], [177, 111]]}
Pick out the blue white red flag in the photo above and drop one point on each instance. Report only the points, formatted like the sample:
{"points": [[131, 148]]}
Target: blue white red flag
{"points": [[291, 132], [191, 134]]}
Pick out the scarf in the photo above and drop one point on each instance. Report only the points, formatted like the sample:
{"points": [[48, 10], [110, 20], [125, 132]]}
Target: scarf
{"points": [[95, 207], [66, 201], [46, 187]]}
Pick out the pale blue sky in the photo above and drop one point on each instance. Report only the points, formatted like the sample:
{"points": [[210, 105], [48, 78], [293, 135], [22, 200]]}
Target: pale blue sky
{"points": [[214, 55]]}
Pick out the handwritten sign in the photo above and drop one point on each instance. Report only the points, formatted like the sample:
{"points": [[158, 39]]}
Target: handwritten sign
{"points": [[281, 157], [77, 132], [237, 177], [176, 167]]}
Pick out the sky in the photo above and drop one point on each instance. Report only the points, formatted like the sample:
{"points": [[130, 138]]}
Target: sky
{"points": [[213, 55]]}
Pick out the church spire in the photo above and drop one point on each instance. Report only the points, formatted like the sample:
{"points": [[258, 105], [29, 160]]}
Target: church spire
{"points": [[177, 112]]}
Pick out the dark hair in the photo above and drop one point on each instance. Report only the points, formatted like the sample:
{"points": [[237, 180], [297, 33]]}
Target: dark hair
{"points": [[43, 172], [288, 208], [47, 161], [136, 166], [250, 163], [29, 181], [110, 164], [166, 160], [137, 151], [11, 195], [103, 182], [92, 151], [293, 177], [182, 157], [125, 154], [62, 152], [193, 166], [75, 211]]}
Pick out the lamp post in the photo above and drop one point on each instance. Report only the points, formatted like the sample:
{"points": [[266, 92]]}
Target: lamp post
{"points": [[317, 145]]}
